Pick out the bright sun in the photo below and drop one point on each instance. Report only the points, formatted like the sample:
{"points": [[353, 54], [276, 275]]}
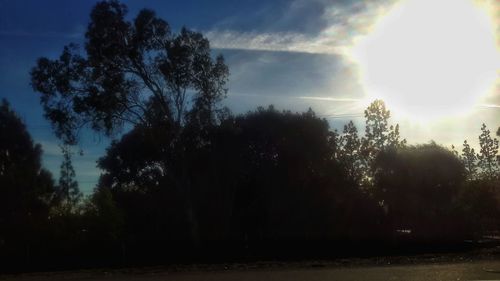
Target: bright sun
{"points": [[430, 58]]}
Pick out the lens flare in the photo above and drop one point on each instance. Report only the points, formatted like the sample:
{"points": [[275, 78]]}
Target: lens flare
{"points": [[430, 59]]}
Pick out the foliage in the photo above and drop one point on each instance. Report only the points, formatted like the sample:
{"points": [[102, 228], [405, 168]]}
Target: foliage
{"points": [[419, 186], [267, 171], [469, 158], [488, 154], [103, 216], [137, 73], [25, 187], [479, 203], [258, 183], [349, 152], [67, 194], [379, 136], [131, 73], [300, 190]]}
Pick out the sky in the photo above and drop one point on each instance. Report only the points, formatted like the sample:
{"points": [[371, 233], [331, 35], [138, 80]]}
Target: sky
{"points": [[334, 56]]}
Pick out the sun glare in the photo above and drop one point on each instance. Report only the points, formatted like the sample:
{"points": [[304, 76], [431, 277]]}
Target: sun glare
{"points": [[430, 59]]}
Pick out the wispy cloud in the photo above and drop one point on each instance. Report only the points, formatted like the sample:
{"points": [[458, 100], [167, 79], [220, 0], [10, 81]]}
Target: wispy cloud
{"points": [[315, 98], [345, 23], [326, 107], [329, 99], [490, 106]]}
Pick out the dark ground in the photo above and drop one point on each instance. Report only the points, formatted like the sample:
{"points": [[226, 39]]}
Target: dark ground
{"points": [[479, 264], [479, 270]]}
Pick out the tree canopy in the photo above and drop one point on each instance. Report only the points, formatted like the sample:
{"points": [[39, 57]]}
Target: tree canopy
{"points": [[135, 72], [25, 186], [419, 186], [67, 194], [487, 158]]}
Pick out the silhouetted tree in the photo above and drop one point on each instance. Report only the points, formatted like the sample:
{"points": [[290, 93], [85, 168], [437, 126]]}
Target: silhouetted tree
{"points": [[350, 152], [418, 186], [284, 155], [378, 133], [68, 194], [144, 188], [101, 227], [478, 201], [498, 157], [267, 176], [129, 68], [469, 158], [488, 153], [25, 188], [291, 190], [379, 136], [137, 73], [102, 206]]}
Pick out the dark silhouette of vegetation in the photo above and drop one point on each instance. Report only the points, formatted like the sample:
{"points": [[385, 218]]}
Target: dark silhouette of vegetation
{"points": [[190, 181], [25, 190], [418, 187], [469, 158], [488, 154], [479, 198], [135, 72], [67, 194]]}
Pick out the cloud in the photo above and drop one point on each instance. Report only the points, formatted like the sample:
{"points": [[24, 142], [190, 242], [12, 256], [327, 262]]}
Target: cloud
{"points": [[329, 99], [300, 59], [490, 106], [295, 81], [340, 24], [311, 98], [275, 16]]}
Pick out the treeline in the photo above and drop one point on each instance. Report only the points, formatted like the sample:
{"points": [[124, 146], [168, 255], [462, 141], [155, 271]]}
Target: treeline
{"points": [[267, 184], [193, 182]]}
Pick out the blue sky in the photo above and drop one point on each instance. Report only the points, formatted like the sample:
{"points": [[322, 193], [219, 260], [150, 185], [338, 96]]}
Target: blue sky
{"points": [[286, 53]]}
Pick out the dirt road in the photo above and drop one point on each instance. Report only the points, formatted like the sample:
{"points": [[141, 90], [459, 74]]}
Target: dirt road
{"points": [[483, 270]]}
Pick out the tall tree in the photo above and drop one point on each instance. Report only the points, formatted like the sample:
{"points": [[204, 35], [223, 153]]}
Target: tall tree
{"points": [[132, 72], [288, 186], [469, 158], [488, 154], [498, 157], [377, 127], [139, 73], [379, 136], [419, 185], [349, 152], [25, 187], [68, 193]]}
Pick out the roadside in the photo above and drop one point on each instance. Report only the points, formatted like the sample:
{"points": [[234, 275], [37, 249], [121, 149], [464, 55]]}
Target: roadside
{"points": [[480, 261], [478, 270]]}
